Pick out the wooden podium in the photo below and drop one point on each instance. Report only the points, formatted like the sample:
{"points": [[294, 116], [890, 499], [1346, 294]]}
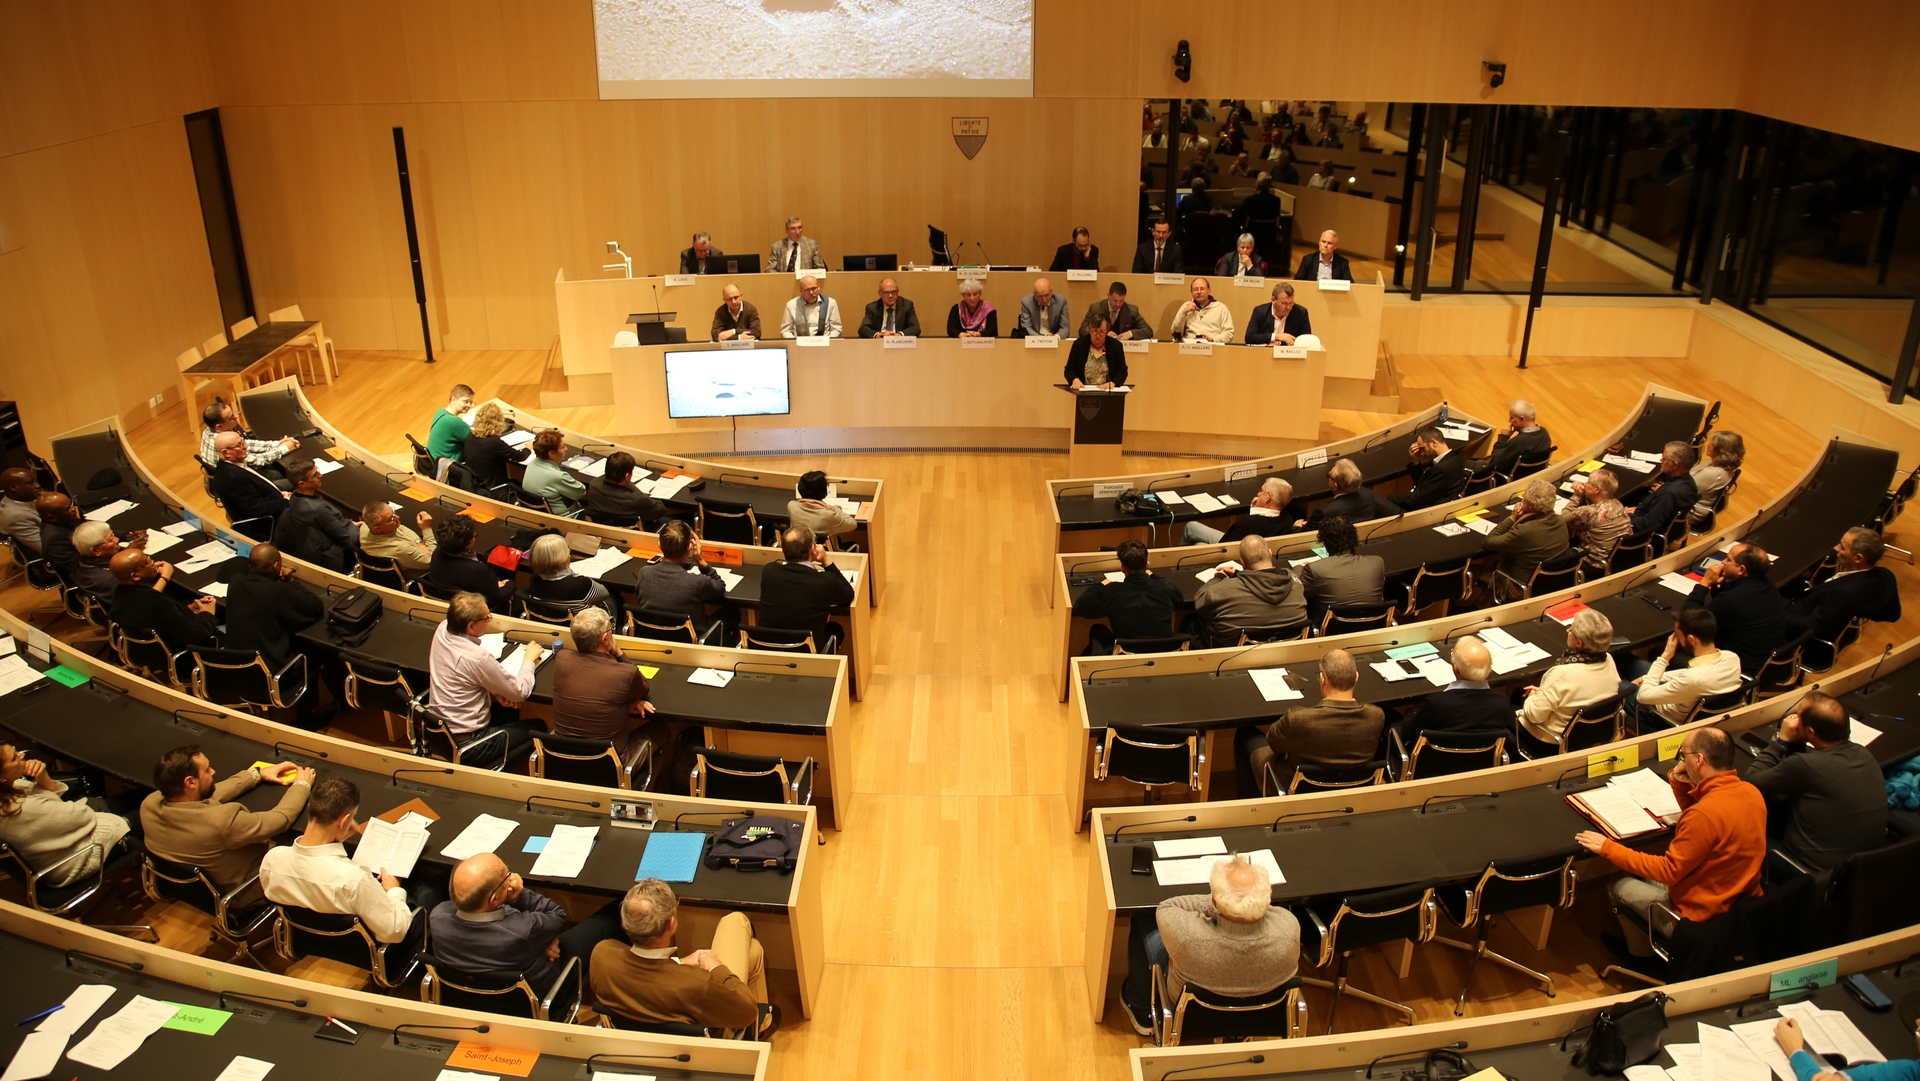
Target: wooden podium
{"points": [[1099, 424]]}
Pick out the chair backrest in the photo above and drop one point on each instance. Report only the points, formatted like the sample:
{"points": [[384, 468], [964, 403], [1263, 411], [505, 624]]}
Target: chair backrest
{"points": [[244, 327], [775, 638], [1328, 778], [1201, 1015], [423, 461], [1632, 551], [1445, 580], [730, 523], [1706, 426], [505, 993], [1592, 725], [1817, 656], [166, 880], [1173, 643], [302, 932], [374, 685], [1152, 756], [1872, 892], [1781, 669], [580, 761], [1676, 535], [1524, 883], [436, 740], [1554, 574], [434, 589], [542, 610], [188, 358], [752, 777], [214, 344], [1480, 482], [288, 314], [145, 652], [1441, 754], [1389, 915], [1345, 618], [1711, 704], [1251, 635], [664, 626], [231, 677], [1527, 467], [379, 570]]}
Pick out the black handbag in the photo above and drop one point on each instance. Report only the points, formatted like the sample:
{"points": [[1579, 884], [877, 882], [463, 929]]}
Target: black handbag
{"points": [[352, 615], [1624, 1035], [1141, 504], [759, 843]]}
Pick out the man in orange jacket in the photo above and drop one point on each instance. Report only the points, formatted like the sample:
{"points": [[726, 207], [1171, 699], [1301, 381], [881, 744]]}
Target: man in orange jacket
{"points": [[1716, 851]]}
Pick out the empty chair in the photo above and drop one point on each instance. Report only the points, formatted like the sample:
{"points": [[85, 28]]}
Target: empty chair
{"points": [[199, 383], [1335, 927], [244, 327], [673, 627], [587, 761], [242, 677], [751, 777], [424, 463], [302, 932], [210, 347], [148, 656], [1152, 757], [1347, 618], [1436, 583], [372, 684], [1439, 754], [379, 570], [165, 880], [1505, 886], [506, 993], [785, 641], [307, 348], [1173, 643], [729, 523]]}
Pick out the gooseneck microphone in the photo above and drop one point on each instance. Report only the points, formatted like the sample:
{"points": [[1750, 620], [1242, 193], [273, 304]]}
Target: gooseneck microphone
{"points": [[1255, 1059], [701, 814], [595, 804], [302, 750], [1119, 668], [1275, 827], [737, 665], [1144, 825], [591, 1059], [1459, 795], [394, 777], [296, 1003], [1448, 640], [1236, 655], [441, 1028]]}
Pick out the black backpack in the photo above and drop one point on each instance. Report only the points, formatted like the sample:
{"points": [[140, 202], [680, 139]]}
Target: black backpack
{"points": [[759, 843], [352, 615], [1140, 504]]}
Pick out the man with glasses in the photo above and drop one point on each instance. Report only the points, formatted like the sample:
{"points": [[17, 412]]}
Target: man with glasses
{"points": [[892, 316]]}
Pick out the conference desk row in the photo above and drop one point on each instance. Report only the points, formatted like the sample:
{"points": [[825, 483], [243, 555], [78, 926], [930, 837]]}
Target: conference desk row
{"points": [[775, 704], [120, 725]]}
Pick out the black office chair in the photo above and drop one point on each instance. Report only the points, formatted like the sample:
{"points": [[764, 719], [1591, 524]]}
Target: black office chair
{"points": [[242, 677], [40, 575], [588, 761], [487, 751], [1705, 707], [1818, 655], [1592, 725], [149, 657], [1308, 779], [1814, 575], [424, 463], [1631, 551], [673, 627], [1173, 643], [259, 530], [379, 570], [434, 590], [1436, 583], [1442, 754], [1871, 893], [64, 901], [1757, 929], [72, 602], [1481, 482], [1505, 886], [1895, 502], [727, 523], [551, 612], [509, 994], [782, 640], [165, 880], [529, 501], [617, 521], [1202, 1016], [1780, 672], [1675, 537], [1347, 618], [372, 684], [1336, 927], [751, 777], [1152, 757], [1527, 467], [1290, 632], [1560, 572], [206, 480], [302, 932]]}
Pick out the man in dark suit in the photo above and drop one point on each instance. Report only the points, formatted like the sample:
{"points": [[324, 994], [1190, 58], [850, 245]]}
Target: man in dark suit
{"points": [[1337, 732], [1290, 319], [1124, 320], [1439, 475], [694, 260], [801, 593], [1327, 262], [1523, 439], [310, 528], [1242, 261], [1140, 605], [1079, 255], [1672, 493], [58, 519], [1752, 617], [265, 611], [1860, 588], [1467, 705], [245, 492], [1158, 254], [140, 604], [890, 316], [1352, 499]]}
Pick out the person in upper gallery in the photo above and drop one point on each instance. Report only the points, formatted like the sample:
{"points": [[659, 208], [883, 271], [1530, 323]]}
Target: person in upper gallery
{"points": [[1529, 536], [811, 314], [1097, 359], [736, 317], [1439, 475], [1266, 517], [1595, 519], [1156, 139], [1280, 321], [1835, 797], [383, 534], [693, 260], [973, 317], [472, 691], [1859, 589], [1081, 254], [1324, 177], [55, 837], [1325, 264], [1203, 319], [1242, 261], [599, 694], [801, 593], [457, 566], [245, 492], [810, 508], [1196, 201], [1344, 577], [1714, 857], [1284, 171], [1262, 207], [1711, 475], [548, 479], [189, 819], [1232, 940], [1336, 732], [1523, 437], [1583, 675], [793, 253], [1670, 693], [1042, 312], [1232, 143], [553, 579], [262, 454], [1467, 705], [310, 528], [1159, 253], [890, 316], [1752, 617], [1671, 493], [1257, 595], [1139, 606], [447, 434], [1124, 320], [679, 582], [1352, 498], [613, 500], [18, 518], [1242, 166], [484, 452]]}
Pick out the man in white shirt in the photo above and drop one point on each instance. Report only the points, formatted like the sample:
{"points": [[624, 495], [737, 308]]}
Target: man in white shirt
{"points": [[466, 681], [315, 873], [810, 315], [1670, 692], [1203, 319]]}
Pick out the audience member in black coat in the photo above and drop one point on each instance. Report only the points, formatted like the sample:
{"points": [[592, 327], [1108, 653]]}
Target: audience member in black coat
{"points": [[1752, 617], [310, 528], [613, 500], [1465, 706], [1860, 588], [265, 611], [484, 452], [1439, 475], [245, 492], [140, 604], [1672, 493], [1329, 255], [58, 517], [1522, 439], [457, 567], [800, 594], [1352, 499]]}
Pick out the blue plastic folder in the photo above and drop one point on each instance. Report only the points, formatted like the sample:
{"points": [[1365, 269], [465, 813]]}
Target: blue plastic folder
{"points": [[671, 857]]}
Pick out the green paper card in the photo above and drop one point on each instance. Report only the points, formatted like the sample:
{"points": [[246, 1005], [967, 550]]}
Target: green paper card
{"points": [[60, 673], [1819, 974], [202, 1019], [1407, 653]]}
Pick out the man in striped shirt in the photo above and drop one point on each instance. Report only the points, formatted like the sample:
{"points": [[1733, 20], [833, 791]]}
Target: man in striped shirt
{"points": [[1595, 519], [261, 453]]}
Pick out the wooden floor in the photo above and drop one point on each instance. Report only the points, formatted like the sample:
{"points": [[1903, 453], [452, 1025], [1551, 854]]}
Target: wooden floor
{"points": [[953, 896]]}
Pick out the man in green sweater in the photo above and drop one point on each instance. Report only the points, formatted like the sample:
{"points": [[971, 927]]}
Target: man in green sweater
{"points": [[447, 437]]}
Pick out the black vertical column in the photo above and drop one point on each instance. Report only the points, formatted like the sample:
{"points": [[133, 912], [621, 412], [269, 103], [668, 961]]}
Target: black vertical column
{"points": [[1553, 147], [413, 237], [1170, 200], [1477, 142], [1416, 127], [1719, 237], [1439, 119]]}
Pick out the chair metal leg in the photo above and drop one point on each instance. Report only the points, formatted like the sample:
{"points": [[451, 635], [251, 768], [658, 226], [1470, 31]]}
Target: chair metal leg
{"points": [[1610, 971], [1340, 986]]}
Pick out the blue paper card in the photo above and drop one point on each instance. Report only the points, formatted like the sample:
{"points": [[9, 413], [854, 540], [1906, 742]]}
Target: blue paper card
{"points": [[535, 844], [671, 857], [1418, 649]]}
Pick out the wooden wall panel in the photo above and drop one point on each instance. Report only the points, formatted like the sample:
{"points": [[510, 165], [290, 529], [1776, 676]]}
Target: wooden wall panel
{"points": [[1861, 68], [70, 71]]}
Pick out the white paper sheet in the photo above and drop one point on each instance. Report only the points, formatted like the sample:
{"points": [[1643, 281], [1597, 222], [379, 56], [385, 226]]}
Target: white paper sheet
{"points": [[1303, 562], [729, 578], [1726, 1056], [1392, 672], [37, 1055], [7, 645], [390, 848], [122, 1034], [852, 577], [1862, 733], [243, 1068], [566, 853], [1687, 1062], [1616, 808], [80, 1006], [1497, 638], [710, 677], [1832, 1032], [1635, 464], [326, 465], [1484, 526], [1436, 669], [1114, 576], [1758, 1037], [468, 1075], [1450, 529], [1190, 846], [158, 542], [180, 529], [1273, 684], [668, 487], [16, 673], [1649, 790], [519, 437], [1644, 455], [1646, 1073], [1213, 572], [1203, 502], [483, 834], [601, 563], [212, 551], [118, 506], [214, 589], [1196, 872], [595, 468], [511, 663], [1677, 582], [1171, 498], [495, 643]]}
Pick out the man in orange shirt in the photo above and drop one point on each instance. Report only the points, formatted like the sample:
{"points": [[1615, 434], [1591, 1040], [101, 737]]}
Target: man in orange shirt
{"points": [[1714, 856]]}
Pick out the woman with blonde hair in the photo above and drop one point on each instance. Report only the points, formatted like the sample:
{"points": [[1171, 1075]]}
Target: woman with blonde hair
{"points": [[485, 454], [1715, 470]]}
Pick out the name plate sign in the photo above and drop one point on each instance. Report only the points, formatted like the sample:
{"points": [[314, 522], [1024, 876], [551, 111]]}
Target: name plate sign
{"points": [[1239, 472], [1169, 279], [1289, 352], [1250, 282], [1083, 275], [1128, 345], [1108, 491], [815, 273], [812, 342], [681, 279], [1310, 457], [900, 341], [1043, 341], [1336, 285], [738, 343], [977, 343], [1196, 349]]}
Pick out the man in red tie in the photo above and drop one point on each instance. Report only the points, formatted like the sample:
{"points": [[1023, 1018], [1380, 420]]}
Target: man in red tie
{"points": [[1159, 253]]}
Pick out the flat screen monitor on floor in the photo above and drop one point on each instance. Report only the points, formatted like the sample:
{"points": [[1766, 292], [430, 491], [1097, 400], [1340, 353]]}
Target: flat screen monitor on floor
{"points": [[727, 383]]}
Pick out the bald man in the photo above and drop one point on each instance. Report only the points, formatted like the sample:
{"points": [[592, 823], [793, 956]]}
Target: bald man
{"points": [[247, 494], [141, 606], [811, 314], [1042, 313], [1466, 705], [494, 923], [736, 317], [58, 517], [18, 519], [891, 316]]}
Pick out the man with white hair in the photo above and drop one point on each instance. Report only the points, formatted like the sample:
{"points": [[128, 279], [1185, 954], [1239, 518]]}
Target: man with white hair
{"points": [[1043, 313], [244, 491], [1325, 263], [1522, 438], [1242, 261], [810, 315], [1232, 941], [1467, 705], [1352, 499], [600, 695], [718, 987], [1265, 518], [96, 543], [1529, 536]]}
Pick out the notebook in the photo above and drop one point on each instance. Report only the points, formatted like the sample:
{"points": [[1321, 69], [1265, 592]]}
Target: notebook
{"points": [[671, 857]]}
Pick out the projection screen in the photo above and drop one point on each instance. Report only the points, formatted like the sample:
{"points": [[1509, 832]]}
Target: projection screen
{"points": [[813, 48]]}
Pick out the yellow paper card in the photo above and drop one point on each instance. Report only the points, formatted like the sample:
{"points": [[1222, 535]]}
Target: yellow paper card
{"points": [[648, 670], [1471, 515], [338, 454], [266, 770], [1590, 465], [1599, 765], [1670, 746]]}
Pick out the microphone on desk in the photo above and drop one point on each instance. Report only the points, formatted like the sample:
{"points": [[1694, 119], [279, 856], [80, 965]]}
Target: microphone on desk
{"points": [[115, 962], [1637, 580], [1382, 526], [394, 777], [737, 665], [296, 1003], [746, 476], [1275, 827], [177, 714], [1457, 1045], [591, 1059], [1581, 768], [983, 253], [561, 799], [397, 476], [297, 747], [656, 299], [661, 464], [1236, 655], [1074, 488], [1255, 1059], [1448, 640], [1201, 555], [1460, 795], [1163, 480], [1119, 668], [1543, 617], [698, 814], [1143, 825], [441, 1028], [1888, 652], [647, 649]]}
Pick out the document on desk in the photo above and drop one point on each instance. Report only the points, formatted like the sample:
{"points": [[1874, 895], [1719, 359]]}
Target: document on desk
{"points": [[213, 552], [1202, 502], [1758, 1038], [1197, 871], [1171, 498], [1614, 810], [1725, 1057], [1677, 582], [158, 542], [1190, 846], [852, 577], [495, 643], [122, 1034], [390, 848], [180, 529], [595, 468], [710, 677], [1832, 1032], [325, 466], [118, 506], [601, 563], [1114, 576], [16, 673], [483, 834], [1211, 573], [1395, 671], [1650, 790], [1862, 734], [1484, 526], [37, 1055], [728, 578], [510, 664], [1647, 1073], [1687, 1065], [243, 1068], [567, 852], [1638, 465], [519, 437], [1273, 685], [1450, 529], [1438, 672]]}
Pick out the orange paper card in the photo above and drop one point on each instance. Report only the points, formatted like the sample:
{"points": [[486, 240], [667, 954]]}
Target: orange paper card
{"points": [[495, 1060], [726, 557], [477, 514], [337, 453], [418, 495], [400, 812]]}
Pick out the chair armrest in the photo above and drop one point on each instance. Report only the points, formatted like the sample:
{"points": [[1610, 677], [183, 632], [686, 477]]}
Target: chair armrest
{"points": [[713, 634], [803, 781], [833, 645], [642, 753], [33, 879], [1396, 753], [296, 668], [1661, 920], [569, 974], [1781, 854], [473, 746]]}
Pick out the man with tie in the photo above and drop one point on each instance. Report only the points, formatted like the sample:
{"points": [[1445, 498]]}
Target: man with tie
{"points": [[794, 253], [1158, 254], [1079, 255], [694, 260], [244, 491], [1326, 263], [1124, 320], [810, 315], [892, 316], [1042, 313]]}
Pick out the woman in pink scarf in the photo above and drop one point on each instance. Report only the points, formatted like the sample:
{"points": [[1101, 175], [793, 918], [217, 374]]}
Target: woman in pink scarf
{"points": [[973, 317]]}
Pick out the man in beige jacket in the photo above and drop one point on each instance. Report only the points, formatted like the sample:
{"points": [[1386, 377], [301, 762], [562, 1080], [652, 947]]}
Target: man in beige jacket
{"points": [[192, 820]]}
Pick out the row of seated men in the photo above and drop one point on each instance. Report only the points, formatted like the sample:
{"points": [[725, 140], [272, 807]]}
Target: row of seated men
{"points": [[480, 919], [1811, 797]]}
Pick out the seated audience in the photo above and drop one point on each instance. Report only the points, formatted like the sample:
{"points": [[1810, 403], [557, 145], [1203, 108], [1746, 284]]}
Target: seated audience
{"points": [[97, 545], [381, 534], [810, 315], [678, 581], [1159, 253], [316, 873], [1124, 320], [1352, 499], [469, 688], [1671, 493], [58, 517], [1203, 319], [1711, 475], [190, 819], [1670, 693], [141, 605], [736, 317], [1752, 616], [547, 479], [1344, 577], [812, 510], [1265, 518], [244, 491], [1232, 941], [494, 923], [1081, 254], [973, 317], [613, 500], [310, 528], [55, 836], [598, 693], [1242, 261], [1096, 359], [1139, 606], [1714, 856], [722, 987], [456, 566], [1834, 795], [1439, 475], [1336, 732], [801, 593], [1522, 438], [891, 316], [1531, 535], [484, 452], [1042, 312], [1284, 171], [262, 454], [1196, 201], [265, 612], [1467, 706], [1583, 675], [1258, 595], [18, 518], [1595, 519], [448, 432], [1278, 322], [1261, 209], [1859, 589], [554, 581]]}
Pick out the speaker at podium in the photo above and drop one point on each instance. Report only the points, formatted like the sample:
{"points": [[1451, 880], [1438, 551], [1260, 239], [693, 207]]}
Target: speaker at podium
{"points": [[1099, 427]]}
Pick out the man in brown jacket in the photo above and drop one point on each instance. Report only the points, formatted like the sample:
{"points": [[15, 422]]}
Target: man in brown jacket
{"points": [[1335, 732], [192, 820], [648, 983], [1532, 535]]}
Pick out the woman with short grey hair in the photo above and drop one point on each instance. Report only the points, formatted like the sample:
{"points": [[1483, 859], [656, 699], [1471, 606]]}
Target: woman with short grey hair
{"points": [[555, 583], [1583, 675], [973, 317]]}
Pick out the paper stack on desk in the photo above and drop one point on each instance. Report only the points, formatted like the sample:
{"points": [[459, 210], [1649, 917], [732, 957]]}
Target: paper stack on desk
{"points": [[1509, 653], [325, 466], [1630, 804], [567, 852], [1198, 870], [118, 506], [601, 563], [158, 542], [1273, 685], [1832, 1032], [122, 1034], [729, 578], [595, 468], [483, 834], [1210, 573], [1638, 465], [389, 848], [517, 438], [16, 673], [1203, 502], [180, 529], [710, 677]]}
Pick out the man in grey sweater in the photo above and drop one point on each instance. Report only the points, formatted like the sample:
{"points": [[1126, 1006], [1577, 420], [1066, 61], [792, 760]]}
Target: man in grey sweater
{"points": [[1255, 595], [1835, 797], [681, 583], [1232, 942]]}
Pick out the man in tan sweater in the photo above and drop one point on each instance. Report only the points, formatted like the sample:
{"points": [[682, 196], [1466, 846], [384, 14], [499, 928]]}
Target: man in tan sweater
{"points": [[192, 820], [646, 982]]}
